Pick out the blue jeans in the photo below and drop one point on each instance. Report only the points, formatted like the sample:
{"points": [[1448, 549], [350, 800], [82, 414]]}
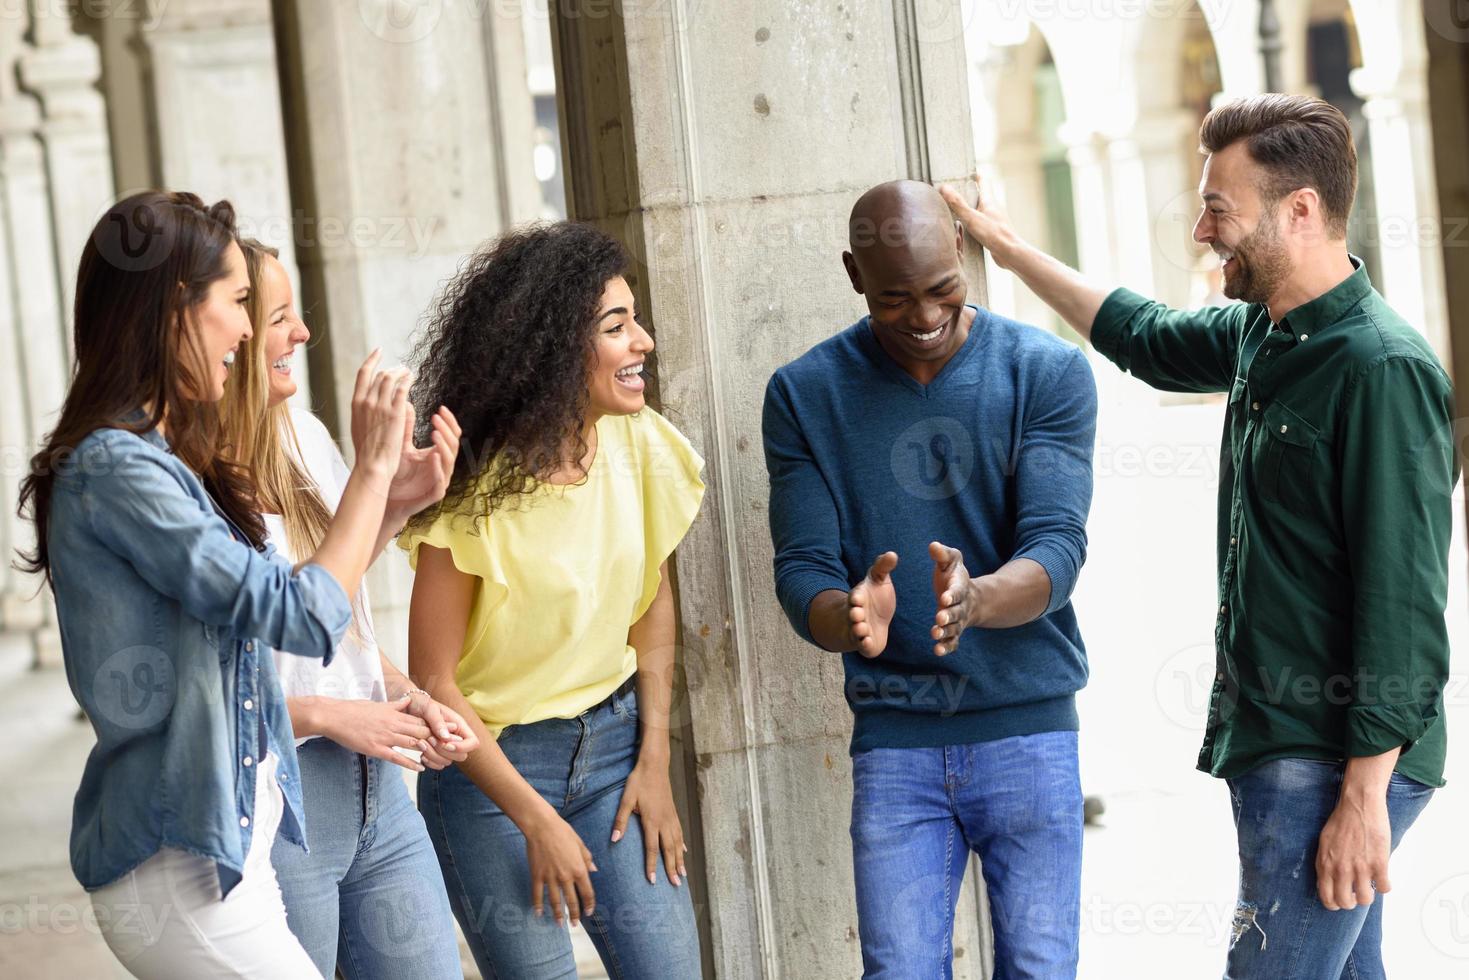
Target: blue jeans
{"points": [[916, 815], [369, 897], [579, 765], [1281, 929]]}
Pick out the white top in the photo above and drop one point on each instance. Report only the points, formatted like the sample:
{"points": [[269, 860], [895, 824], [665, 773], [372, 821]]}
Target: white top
{"points": [[355, 671]]}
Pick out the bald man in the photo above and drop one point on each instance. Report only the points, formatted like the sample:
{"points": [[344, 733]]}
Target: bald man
{"points": [[930, 476]]}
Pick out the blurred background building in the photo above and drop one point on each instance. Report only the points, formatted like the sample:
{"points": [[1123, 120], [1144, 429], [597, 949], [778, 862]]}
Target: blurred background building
{"points": [[376, 142]]}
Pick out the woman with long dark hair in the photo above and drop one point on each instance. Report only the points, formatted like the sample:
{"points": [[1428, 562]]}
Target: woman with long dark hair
{"points": [[542, 613], [168, 597]]}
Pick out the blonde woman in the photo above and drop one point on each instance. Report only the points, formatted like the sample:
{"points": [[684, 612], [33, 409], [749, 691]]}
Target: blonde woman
{"points": [[367, 898]]}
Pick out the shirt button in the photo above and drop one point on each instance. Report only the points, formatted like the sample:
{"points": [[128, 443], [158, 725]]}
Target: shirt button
{"points": [[1223, 610], [1233, 541], [248, 762], [1305, 336], [244, 821], [1284, 427], [249, 646], [1219, 676], [1255, 406], [249, 704]]}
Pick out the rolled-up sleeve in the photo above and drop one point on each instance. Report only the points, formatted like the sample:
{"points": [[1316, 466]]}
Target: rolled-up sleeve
{"points": [[1053, 476], [142, 511], [1173, 350], [1398, 475], [803, 515]]}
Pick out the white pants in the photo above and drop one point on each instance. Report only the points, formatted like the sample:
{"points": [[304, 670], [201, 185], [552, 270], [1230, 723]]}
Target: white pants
{"points": [[165, 919]]}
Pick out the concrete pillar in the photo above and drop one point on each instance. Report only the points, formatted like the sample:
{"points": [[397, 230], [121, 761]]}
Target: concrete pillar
{"points": [[1154, 204], [216, 105], [1091, 181], [394, 178], [61, 69], [1410, 232], [725, 144]]}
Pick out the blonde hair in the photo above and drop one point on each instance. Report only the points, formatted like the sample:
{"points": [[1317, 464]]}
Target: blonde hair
{"points": [[262, 436]]}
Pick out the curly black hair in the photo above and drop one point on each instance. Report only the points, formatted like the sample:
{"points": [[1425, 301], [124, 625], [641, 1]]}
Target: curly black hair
{"points": [[508, 348]]}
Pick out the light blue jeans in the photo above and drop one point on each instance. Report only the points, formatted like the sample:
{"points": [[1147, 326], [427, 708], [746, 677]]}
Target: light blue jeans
{"points": [[579, 765], [1281, 929], [369, 897], [916, 816]]}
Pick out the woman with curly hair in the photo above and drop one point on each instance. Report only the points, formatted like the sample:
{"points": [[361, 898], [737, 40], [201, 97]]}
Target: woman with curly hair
{"points": [[371, 873], [168, 595], [542, 613]]}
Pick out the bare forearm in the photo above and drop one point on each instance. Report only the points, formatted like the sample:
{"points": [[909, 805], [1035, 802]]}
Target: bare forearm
{"points": [[1367, 777], [830, 623], [1015, 594], [652, 638], [487, 766], [350, 543], [395, 682], [1061, 287], [308, 715]]}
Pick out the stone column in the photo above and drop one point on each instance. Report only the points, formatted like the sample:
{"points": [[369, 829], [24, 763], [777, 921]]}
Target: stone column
{"points": [[394, 178], [215, 102], [1154, 205], [1409, 230], [1091, 181], [725, 144], [61, 70]]}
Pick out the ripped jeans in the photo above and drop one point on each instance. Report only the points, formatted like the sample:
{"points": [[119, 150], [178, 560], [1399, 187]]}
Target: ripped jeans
{"points": [[1281, 929]]}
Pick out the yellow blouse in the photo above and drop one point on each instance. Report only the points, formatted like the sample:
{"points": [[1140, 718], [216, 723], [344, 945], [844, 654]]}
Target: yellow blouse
{"points": [[566, 570]]}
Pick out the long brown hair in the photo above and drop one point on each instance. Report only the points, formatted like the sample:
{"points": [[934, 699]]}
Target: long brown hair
{"points": [[145, 269]]}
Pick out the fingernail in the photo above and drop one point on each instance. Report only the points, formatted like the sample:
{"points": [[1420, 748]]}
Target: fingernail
{"points": [[674, 879], [682, 871], [444, 733], [652, 880], [616, 836], [592, 866]]}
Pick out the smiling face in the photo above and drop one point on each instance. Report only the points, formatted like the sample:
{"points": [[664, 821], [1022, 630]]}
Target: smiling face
{"points": [[905, 261], [284, 331], [220, 324], [1241, 229], [615, 385]]}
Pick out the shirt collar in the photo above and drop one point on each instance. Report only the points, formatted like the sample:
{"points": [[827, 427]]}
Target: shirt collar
{"points": [[1332, 305]]}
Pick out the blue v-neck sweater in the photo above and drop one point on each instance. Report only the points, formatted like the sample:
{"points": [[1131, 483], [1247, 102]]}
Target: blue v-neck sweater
{"points": [[994, 457]]}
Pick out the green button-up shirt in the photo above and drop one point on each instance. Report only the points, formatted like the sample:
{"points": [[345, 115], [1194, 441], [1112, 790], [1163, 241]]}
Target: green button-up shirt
{"points": [[1337, 469]]}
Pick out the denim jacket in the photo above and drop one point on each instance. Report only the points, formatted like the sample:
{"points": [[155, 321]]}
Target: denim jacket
{"points": [[167, 618]]}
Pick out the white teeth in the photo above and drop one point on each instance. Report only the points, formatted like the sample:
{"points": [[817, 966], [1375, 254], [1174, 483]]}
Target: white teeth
{"points": [[628, 372], [284, 364], [925, 337], [229, 359]]}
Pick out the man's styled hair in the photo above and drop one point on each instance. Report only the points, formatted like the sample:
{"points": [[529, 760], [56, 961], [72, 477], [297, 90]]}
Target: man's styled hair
{"points": [[1298, 142]]}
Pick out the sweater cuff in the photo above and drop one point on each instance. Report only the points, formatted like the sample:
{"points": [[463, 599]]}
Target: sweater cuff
{"points": [[1059, 568], [798, 592]]}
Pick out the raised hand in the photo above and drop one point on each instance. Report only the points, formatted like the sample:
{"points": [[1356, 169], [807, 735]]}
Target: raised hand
{"points": [[379, 412], [985, 221], [423, 474], [957, 598], [871, 605]]}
